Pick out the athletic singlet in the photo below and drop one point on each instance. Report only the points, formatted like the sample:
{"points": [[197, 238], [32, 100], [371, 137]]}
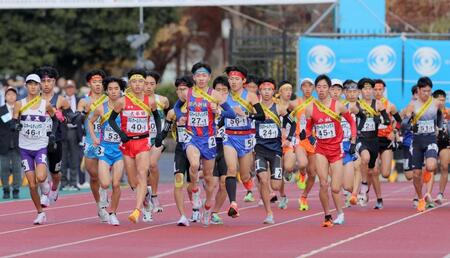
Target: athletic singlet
{"points": [[385, 130], [107, 134], [88, 138], [200, 117], [152, 119], [328, 130], [48, 120], [427, 122], [133, 119], [370, 128], [268, 133], [239, 123], [346, 128], [301, 120], [33, 135]]}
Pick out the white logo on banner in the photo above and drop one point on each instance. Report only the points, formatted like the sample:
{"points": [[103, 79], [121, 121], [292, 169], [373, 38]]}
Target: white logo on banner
{"points": [[426, 61], [381, 59], [321, 59]]}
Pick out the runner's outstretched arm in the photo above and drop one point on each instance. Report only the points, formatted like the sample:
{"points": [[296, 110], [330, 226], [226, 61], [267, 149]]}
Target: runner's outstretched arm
{"points": [[227, 112]]}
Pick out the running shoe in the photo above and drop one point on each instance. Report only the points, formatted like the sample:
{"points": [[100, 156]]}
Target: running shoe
{"points": [[328, 222], [196, 200], [353, 200], [103, 215], [269, 220], [426, 176], [216, 219], [40, 219], [147, 213], [339, 219], [283, 202], [183, 221], [421, 205], [156, 206], [439, 199], [363, 199], [113, 220], [379, 205], [303, 204], [415, 202], [45, 201], [196, 215], [233, 210], [429, 201], [134, 216], [206, 217], [287, 177], [53, 196], [249, 197], [301, 181], [393, 177]]}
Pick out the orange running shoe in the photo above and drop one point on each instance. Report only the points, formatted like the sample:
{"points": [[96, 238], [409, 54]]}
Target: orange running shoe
{"points": [[421, 205], [426, 177], [248, 185], [233, 210], [328, 223], [353, 200], [134, 216]]}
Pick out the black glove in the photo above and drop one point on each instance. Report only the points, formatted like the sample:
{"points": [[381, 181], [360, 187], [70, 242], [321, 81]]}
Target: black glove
{"points": [[15, 125], [158, 141], [415, 128], [442, 136], [123, 137], [303, 135], [312, 140], [51, 143], [352, 149]]}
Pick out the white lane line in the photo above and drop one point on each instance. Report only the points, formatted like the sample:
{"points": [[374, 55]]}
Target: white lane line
{"points": [[319, 250]]}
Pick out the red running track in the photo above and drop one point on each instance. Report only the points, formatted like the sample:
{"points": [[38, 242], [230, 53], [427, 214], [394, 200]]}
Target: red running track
{"points": [[73, 230]]}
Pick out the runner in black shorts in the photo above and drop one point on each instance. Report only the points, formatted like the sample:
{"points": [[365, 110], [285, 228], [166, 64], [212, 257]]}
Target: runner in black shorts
{"points": [[221, 85]]}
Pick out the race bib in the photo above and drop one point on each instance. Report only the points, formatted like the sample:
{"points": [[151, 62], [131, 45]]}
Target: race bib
{"points": [[97, 126], [152, 127], [346, 129], [278, 173], [425, 126], [100, 151], [302, 123], [183, 137], [249, 143], [239, 121], [369, 125], [268, 131], [137, 124], [110, 135], [325, 131], [34, 130], [212, 142], [48, 123], [198, 119], [221, 132]]}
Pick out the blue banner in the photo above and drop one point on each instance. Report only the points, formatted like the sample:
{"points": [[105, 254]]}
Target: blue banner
{"points": [[428, 58], [377, 58]]}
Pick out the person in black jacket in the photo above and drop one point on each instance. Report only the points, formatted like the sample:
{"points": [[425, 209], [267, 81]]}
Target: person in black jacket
{"points": [[9, 150]]}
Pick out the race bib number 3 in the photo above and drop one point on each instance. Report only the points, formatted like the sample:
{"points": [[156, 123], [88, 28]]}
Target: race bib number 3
{"points": [[426, 126], [198, 119], [268, 131], [137, 125], [325, 131], [239, 121]]}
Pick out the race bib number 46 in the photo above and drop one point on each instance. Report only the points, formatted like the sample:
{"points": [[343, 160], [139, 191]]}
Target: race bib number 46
{"points": [[137, 125], [33, 130], [325, 131], [198, 119]]}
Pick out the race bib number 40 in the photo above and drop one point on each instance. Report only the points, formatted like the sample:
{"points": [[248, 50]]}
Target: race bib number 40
{"points": [[137, 125], [268, 131], [325, 131], [426, 126], [198, 119], [239, 121]]}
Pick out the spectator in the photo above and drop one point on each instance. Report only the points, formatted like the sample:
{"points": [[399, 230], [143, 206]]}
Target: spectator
{"points": [[9, 148], [2, 94], [60, 85], [20, 86], [71, 144]]}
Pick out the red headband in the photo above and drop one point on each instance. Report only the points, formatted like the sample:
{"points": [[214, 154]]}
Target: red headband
{"points": [[96, 77], [236, 73], [267, 84]]}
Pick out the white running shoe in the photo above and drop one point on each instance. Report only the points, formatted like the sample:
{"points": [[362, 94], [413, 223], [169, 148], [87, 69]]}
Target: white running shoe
{"points": [[45, 201], [147, 215], [183, 221], [103, 198], [362, 199], [113, 220], [206, 217], [283, 202], [196, 200], [40, 219], [415, 202], [53, 196], [439, 199], [339, 220], [196, 215], [269, 220], [103, 215], [260, 202], [156, 206]]}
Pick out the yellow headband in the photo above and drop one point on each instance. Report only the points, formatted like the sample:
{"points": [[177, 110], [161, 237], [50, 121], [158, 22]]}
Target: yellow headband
{"points": [[286, 85], [137, 77]]}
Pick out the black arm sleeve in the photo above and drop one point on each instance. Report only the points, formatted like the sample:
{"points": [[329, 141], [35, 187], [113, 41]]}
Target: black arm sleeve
{"points": [[439, 119], [157, 122], [115, 126], [221, 122], [259, 113], [72, 117], [386, 120], [397, 117], [166, 129], [286, 120]]}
